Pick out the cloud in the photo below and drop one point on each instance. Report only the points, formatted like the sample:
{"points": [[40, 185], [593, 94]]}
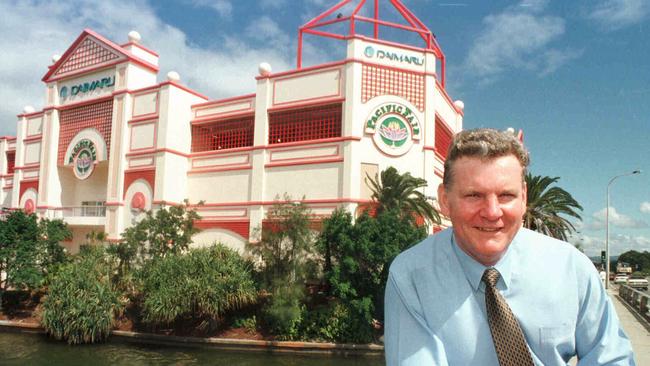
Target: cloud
{"points": [[225, 68], [645, 207], [515, 38], [222, 7], [615, 219], [616, 14], [619, 243]]}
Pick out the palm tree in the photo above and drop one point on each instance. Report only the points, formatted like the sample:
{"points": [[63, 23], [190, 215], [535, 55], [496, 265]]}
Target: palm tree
{"points": [[394, 191], [545, 205]]}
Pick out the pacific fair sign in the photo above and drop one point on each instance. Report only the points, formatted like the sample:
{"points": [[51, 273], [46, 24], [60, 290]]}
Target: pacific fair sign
{"points": [[394, 126]]}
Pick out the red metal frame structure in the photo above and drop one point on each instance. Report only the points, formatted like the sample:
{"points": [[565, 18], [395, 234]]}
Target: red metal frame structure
{"points": [[416, 26]]}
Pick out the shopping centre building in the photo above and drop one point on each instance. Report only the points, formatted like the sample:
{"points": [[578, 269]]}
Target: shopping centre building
{"points": [[113, 141]]}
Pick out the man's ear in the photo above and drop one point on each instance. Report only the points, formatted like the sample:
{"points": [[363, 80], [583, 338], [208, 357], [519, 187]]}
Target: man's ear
{"points": [[442, 200]]}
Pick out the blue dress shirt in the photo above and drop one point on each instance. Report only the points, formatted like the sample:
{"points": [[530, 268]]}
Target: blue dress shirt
{"points": [[435, 305]]}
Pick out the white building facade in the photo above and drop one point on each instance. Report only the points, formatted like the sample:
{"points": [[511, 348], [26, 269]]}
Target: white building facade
{"points": [[112, 141]]}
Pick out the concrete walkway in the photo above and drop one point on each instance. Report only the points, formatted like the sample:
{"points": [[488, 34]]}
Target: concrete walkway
{"points": [[638, 334]]}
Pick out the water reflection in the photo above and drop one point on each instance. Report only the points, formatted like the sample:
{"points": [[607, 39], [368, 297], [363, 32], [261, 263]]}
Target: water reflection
{"points": [[30, 349]]}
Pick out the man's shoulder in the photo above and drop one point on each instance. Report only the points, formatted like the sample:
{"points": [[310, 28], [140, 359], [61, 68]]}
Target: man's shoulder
{"points": [[422, 254], [542, 248]]}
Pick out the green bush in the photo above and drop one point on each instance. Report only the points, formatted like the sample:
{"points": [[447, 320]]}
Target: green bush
{"points": [[204, 283], [327, 323], [284, 312], [357, 257], [29, 250], [81, 304]]}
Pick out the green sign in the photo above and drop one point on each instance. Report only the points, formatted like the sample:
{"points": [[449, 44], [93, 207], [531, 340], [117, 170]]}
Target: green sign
{"points": [[394, 127], [83, 157], [87, 87]]}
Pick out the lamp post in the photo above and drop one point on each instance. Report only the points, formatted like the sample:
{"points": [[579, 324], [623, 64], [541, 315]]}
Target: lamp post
{"points": [[607, 224]]}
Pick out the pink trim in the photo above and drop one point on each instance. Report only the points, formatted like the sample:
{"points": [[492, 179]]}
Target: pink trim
{"points": [[222, 151], [29, 115], [224, 169], [218, 101], [445, 124], [146, 115], [114, 47], [8, 138], [448, 99], [222, 116], [110, 204], [167, 203], [304, 103], [271, 203], [8, 187], [144, 120], [438, 172], [33, 138], [81, 103], [336, 154], [153, 53], [309, 142], [439, 156], [28, 166], [156, 151], [304, 162], [246, 162], [143, 90], [297, 71], [315, 72], [183, 87], [155, 135]]}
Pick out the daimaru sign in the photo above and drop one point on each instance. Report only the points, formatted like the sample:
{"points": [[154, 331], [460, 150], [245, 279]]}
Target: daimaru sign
{"points": [[394, 127], [86, 87], [395, 56]]}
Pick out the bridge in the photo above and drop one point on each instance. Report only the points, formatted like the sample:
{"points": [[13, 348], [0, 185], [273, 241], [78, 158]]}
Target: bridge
{"points": [[632, 307]]}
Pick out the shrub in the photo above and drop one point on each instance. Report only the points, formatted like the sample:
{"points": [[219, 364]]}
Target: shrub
{"points": [[81, 304], [357, 258], [284, 312], [29, 250], [204, 283]]}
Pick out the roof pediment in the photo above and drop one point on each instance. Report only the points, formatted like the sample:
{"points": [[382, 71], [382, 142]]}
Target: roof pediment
{"points": [[89, 52]]}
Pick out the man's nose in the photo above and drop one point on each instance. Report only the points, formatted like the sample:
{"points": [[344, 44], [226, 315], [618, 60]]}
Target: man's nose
{"points": [[491, 208]]}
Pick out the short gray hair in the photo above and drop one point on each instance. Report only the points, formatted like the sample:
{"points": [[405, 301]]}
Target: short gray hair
{"points": [[483, 143]]}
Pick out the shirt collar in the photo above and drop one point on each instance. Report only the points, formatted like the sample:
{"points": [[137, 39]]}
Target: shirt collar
{"points": [[474, 270]]}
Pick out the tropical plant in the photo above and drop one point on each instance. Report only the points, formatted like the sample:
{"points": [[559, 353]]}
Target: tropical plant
{"points": [[168, 230], [81, 304], [546, 204], [394, 191], [285, 257], [361, 253], [202, 284], [29, 249]]}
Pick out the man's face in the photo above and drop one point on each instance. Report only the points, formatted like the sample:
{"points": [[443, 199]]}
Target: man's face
{"points": [[486, 203]]}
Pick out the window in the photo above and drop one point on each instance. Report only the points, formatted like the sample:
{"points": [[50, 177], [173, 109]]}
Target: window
{"points": [[225, 134], [443, 138], [310, 123], [11, 162]]}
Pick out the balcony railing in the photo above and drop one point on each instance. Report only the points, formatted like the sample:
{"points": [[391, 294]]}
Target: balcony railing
{"points": [[85, 211]]}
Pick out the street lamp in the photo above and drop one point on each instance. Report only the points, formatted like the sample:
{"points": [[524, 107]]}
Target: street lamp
{"points": [[607, 224]]}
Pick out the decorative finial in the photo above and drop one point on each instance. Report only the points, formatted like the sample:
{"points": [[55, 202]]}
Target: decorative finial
{"points": [[134, 36], [459, 104], [265, 69], [55, 58], [173, 76], [28, 109]]}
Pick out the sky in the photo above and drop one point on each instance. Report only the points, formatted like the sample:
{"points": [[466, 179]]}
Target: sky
{"points": [[573, 75]]}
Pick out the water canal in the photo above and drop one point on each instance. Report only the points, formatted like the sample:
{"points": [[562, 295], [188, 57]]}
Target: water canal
{"points": [[37, 350]]}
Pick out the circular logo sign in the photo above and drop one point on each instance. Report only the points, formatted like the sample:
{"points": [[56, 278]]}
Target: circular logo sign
{"points": [[83, 158], [369, 52], [394, 127]]}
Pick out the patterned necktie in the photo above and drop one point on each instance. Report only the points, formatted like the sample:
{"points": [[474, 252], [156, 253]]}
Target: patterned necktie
{"points": [[507, 336]]}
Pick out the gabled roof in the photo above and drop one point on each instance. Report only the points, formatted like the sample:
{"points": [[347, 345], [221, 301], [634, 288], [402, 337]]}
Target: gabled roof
{"points": [[88, 52]]}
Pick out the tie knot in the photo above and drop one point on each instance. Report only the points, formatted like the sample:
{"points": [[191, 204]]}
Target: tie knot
{"points": [[491, 277]]}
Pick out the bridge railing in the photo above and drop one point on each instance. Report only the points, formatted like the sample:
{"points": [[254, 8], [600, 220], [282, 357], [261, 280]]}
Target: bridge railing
{"points": [[640, 301]]}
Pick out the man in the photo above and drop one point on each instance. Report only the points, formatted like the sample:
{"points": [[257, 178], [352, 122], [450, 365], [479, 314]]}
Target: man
{"points": [[440, 309]]}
